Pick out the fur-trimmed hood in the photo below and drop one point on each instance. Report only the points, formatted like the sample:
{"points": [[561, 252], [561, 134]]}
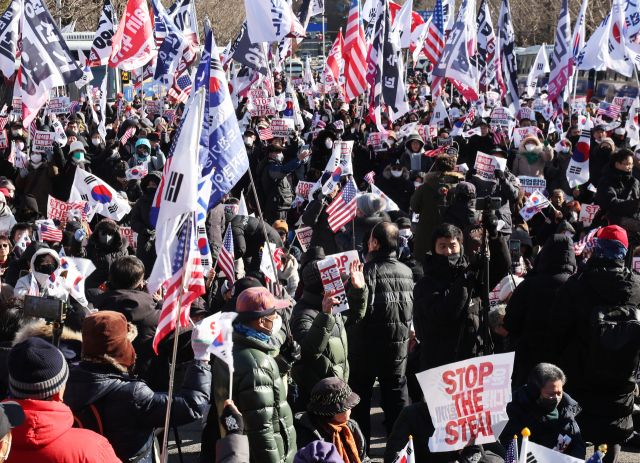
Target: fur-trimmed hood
{"points": [[431, 175], [386, 173], [530, 139], [40, 329], [107, 225]]}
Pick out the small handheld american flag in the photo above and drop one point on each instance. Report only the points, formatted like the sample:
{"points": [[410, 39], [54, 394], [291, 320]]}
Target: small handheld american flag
{"points": [[181, 88], [588, 243], [343, 207], [369, 177], [226, 259], [128, 134], [32, 129], [171, 115], [3, 122], [265, 134], [608, 109], [74, 107], [49, 232]]}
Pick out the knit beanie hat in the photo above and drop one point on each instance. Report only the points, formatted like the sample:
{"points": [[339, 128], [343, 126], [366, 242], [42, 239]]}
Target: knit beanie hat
{"points": [[37, 370], [332, 396], [312, 279], [318, 452], [371, 203], [106, 338], [612, 243]]}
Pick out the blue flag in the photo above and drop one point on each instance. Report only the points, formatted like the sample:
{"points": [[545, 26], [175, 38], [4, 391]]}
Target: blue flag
{"points": [[172, 48]]}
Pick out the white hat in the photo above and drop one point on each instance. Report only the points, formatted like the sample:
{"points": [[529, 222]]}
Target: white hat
{"points": [[157, 121], [77, 146], [507, 285]]}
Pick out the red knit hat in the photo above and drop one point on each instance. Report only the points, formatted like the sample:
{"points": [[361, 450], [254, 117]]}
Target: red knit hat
{"points": [[614, 232]]}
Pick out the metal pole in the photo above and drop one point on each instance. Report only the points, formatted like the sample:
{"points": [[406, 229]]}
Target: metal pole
{"points": [[324, 65], [165, 453], [59, 13], [406, 66], [485, 291]]}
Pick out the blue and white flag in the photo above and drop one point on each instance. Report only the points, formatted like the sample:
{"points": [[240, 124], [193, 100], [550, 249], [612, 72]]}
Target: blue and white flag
{"points": [[172, 48]]}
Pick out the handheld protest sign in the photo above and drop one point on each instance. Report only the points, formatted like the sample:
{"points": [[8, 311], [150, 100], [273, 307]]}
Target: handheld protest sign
{"points": [[330, 275], [486, 165]]}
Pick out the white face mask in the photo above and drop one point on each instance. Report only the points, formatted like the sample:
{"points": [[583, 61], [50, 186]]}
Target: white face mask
{"points": [[405, 232], [248, 141], [530, 147], [328, 144], [95, 141], [353, 130], [277, 324], [417, 184], [16, 133], [325, 118], [36, 158], [20, 146], [279, 156], [565, 149], [396, 173]]}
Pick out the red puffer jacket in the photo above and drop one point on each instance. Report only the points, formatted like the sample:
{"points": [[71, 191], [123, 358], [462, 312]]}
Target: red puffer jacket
{"points": [[47, 436]]}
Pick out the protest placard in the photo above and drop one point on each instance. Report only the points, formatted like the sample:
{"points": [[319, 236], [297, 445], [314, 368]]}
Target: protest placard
{"points": [[314, 134], [495, 96], [485, 166], [258, 93], [43, 141], [376, 140], [520, 133], [578, 99], [297, 81], [131, 236], [501, 116], [539, 105], [331, 281], [59, 105], [17, 106], [587, 213], [344, 259], [461, 168], [152, 106], [60, 135], [530, 184], [60, 210], [4, 139], [263, 107], [282, 127], [620, 101], [636, 263], [527, 113], [494, 296], [304, 189], [304, 237], [468, 399], [234, 208], [427, 132]]}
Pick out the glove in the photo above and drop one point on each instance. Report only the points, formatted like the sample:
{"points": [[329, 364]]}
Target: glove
{"points": [[499, 174], [471, 453], [231, 420], [80, 235], [290, 350], [490, 221], [470, 173], [114, 145], [23, 172], [201, 339]]}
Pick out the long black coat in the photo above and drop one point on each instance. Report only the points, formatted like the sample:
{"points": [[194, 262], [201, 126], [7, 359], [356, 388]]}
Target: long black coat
{"points": [[316, 217], [529, 309], [607, 402], [398, 189], [617, 195], [448, 315], [362, 225], [248, 238]]}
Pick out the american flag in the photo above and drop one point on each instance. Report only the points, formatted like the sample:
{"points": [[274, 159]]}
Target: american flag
{"points": [[3, 122], [226, 259], [190, 277], [171, 115], [434, 41], [128, 134], [355, 53], [181, 88], [369, 176], [435, 152], [137, 83], [511, 453], [32, 129], [49, 232], [498, 135], [74, 107], [608, 109], [34, 289], [265, 134], [343, 207], [437, 86], [588, 243], [83, 98]]}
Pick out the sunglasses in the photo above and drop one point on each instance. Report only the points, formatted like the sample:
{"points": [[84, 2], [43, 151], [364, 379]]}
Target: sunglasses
{"points": [[5, 245]]}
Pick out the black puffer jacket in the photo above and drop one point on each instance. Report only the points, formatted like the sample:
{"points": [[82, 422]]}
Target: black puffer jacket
{"points": [[605, 392], [248, 238], [399, 189], [529, 309], [618, 194], [320, 154], [523, 413], [469, 150], [448, 314], [462, 213], [141, 224], [507, 189], [380, 342], [308, 431], [362, 226], [102, 255], [315, 216]]}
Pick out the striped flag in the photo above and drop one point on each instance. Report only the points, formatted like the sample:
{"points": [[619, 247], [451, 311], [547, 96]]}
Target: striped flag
{"points": [[434, 42], [32, 129], [34, 289], [171, 115], [369, 177], [608, 109], [48, 232], [265, 134], [137, 172], [435, 152], [189, 276], [181, 88], [343, 207], [498, 135], [74, 107], [355, 53], [226, 259], [588, 243], [3, 122], [128, 134]]}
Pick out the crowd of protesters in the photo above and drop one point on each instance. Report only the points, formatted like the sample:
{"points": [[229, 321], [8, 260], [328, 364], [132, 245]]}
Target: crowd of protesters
{"points": [[303, 378]]}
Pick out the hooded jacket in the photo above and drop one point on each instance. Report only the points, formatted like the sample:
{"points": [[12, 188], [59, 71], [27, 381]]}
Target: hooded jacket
{"points": [[28, 203], [248, 238], [7, 220], [399, 189], [606, 395], [415, 162], [24, 284], [320, 154], [47, 435], [102, 255], [141, 224], [556, 174], [618, 194], [43, 187], [129, 410], [528, 312], [521, 165]]}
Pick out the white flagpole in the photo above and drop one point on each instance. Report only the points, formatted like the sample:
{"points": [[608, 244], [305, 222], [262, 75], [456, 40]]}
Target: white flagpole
{"points": [[324, 65], [165, 452]]}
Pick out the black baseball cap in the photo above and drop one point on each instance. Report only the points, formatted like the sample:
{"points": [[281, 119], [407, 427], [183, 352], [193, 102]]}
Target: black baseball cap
{"points": [[11, 416]]}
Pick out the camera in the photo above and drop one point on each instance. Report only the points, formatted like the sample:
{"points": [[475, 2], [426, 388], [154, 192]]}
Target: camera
{"points": [[41, 307], [488, 203]]}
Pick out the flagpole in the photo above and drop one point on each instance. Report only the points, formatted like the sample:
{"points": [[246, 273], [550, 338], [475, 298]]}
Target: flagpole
{"points": [[406, 66], [324, 65], [165, 453]]}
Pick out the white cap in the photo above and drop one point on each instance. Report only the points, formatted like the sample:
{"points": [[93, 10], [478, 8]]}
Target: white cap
{"points": [[157, 121], [76, 146]]}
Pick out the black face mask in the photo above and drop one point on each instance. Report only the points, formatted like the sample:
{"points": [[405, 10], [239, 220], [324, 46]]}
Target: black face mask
{"points": [[151, 190], [105, 238], [606, 150], [448, 261], [548, 405], [47, 269]]}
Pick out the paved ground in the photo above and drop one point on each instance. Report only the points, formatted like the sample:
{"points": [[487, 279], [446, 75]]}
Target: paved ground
{"points": [[190, 436]]}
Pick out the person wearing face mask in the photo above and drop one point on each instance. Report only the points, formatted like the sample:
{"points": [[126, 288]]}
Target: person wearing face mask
{"points": [[7, 220], [619, 138], [618, 192], [447, 298], [599, 157], [106, 245], [469, 147], [96, 145], [531, 158], [316, 216], [28, 210], [413, 157], [396, 185], [103, 164], [118, 181], [141, 221], [258, 389], [44, 262], [462, 212], [67, 165], [556, 172], [321, 149], [542, 406], [37, 178], [154, 158]]}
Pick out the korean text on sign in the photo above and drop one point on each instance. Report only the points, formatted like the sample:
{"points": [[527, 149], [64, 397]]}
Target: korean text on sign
{"points": [[331, 281]]}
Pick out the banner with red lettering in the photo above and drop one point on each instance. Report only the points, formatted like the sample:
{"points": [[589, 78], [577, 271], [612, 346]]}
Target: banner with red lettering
{"points": [[131, 236], [65, 212], [304, 235], [468, 399], [587, 213], [344, 259]]}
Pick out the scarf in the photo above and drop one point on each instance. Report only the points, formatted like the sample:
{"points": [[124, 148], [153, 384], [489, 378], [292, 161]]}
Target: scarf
{"points": [[416, 161], [342, 438], [610, 249], [531, 157], [250, 332]]}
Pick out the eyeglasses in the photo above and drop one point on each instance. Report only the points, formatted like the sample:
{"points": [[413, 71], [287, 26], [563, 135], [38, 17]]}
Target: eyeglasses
{"points": [[5, 245]]}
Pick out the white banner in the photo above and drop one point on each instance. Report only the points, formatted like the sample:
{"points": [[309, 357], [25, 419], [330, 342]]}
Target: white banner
{"points": [[330, 274], [521, 133], [304, 237], [485, 166], [43, 141], [587, 213], [530, 184], [468, 398]]}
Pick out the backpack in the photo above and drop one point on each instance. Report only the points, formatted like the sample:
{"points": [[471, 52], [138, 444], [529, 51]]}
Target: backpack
{"points": [[89, 418], [614, 347]]}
